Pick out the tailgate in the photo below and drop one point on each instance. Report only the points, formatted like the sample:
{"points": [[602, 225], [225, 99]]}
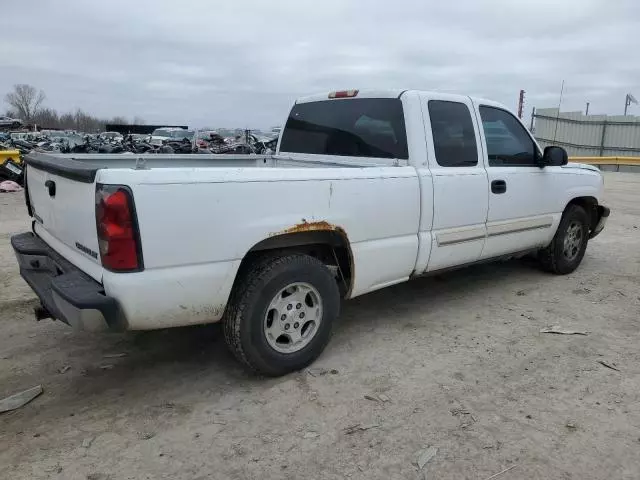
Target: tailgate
{"points": [[62, 197]]}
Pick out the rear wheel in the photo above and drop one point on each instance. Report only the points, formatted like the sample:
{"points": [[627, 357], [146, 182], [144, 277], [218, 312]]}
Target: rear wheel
{"points": [[280, 315], [566, 250]]}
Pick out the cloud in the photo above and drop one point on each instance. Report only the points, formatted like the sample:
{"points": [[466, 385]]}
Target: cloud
{"points": [[243, 63]]}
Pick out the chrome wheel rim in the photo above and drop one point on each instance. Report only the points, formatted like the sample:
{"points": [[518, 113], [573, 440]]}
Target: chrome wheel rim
{"points": [[572, 240], [293, 317]]}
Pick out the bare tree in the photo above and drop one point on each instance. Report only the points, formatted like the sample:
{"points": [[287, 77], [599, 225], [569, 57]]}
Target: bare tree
{"points": [[119, 121], [46, 118], [67, 121], [26, 100], [138, 120], [26, 103]]}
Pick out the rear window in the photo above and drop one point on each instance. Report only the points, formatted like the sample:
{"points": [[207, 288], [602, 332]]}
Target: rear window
{"points": [[361, 127]]}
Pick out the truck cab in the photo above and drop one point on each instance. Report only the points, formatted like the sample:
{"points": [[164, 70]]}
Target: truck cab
{"points": [[486, 188]]}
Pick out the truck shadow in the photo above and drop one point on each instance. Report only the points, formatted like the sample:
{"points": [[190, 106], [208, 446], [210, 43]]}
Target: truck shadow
{"points": [[199, 352], [443, 290]]}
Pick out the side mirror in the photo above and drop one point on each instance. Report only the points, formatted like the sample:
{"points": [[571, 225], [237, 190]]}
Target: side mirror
{"points": [[554, 157]]}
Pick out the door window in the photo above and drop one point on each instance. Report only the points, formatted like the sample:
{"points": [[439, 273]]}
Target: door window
{"points": [[454, 139], [508, 143]]}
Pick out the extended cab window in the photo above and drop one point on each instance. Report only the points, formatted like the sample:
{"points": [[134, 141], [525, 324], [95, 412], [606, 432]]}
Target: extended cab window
{"points": [[508, 143], [358, 127], [453, 137]]}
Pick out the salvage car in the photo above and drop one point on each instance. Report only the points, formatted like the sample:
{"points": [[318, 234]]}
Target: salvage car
{"points": [[367, 189], [166, 134], [8, 122]]}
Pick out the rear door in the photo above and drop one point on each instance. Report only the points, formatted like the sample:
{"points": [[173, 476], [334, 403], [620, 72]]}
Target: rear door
{"points": [[63, 208], [460, 189], [363, 128]]}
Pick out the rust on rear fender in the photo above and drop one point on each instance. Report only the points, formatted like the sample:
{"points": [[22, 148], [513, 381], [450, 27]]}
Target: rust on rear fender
{"points": [[323, 225], [305, 226]]}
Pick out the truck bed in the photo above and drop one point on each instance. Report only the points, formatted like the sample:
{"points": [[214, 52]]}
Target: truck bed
{"points": [[198, 216], [83, 167]]}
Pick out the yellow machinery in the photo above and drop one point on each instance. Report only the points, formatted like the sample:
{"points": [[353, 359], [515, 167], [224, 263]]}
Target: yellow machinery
{"points": [[10, 155]]}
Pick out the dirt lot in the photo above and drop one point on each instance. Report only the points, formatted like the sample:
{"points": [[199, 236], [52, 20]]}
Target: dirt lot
{"points": [[459, 360]]}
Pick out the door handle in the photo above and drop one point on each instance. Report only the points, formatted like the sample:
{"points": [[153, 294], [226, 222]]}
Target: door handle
{"points": [[51, 186], [498, 186]]}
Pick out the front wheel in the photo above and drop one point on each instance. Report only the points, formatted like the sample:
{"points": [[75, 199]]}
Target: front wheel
{"points": [[566, 250], [280, 315]]}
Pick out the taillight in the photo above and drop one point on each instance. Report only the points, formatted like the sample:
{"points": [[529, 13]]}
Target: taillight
{"points": [[118, 234], [343, 94]]}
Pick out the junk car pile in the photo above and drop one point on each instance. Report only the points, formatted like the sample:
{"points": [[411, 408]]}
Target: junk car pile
{"points": [[161, 141]]}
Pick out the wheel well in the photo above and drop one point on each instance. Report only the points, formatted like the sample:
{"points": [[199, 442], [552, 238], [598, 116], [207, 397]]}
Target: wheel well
{"points": [[590, 205], [331, 247]]}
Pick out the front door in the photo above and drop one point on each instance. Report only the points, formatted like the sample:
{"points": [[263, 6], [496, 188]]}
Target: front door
{"points": [[460, 189], [521, 195]]}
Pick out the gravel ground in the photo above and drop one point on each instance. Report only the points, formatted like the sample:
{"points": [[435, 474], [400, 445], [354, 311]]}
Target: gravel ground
{"points": [[455, 362]]}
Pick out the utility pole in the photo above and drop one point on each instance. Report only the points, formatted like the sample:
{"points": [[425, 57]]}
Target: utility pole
{"points": [[586, 112], [628, 100], [555, 131], [533, 115], [520, 103]]}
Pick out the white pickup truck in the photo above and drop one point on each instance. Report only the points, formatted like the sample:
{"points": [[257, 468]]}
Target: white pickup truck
{"points": [[367, 189]]}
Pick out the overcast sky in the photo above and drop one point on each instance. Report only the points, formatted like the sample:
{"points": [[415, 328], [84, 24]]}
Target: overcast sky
{"points": [[242, 63]]}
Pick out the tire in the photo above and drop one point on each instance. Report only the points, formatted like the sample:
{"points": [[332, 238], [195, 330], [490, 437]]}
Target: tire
{"points": [[250, 316], [557, 259]]}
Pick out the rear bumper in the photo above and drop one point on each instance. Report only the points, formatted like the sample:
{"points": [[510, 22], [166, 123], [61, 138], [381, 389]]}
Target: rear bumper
{"points": [[66, 292], [603, 215]]}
